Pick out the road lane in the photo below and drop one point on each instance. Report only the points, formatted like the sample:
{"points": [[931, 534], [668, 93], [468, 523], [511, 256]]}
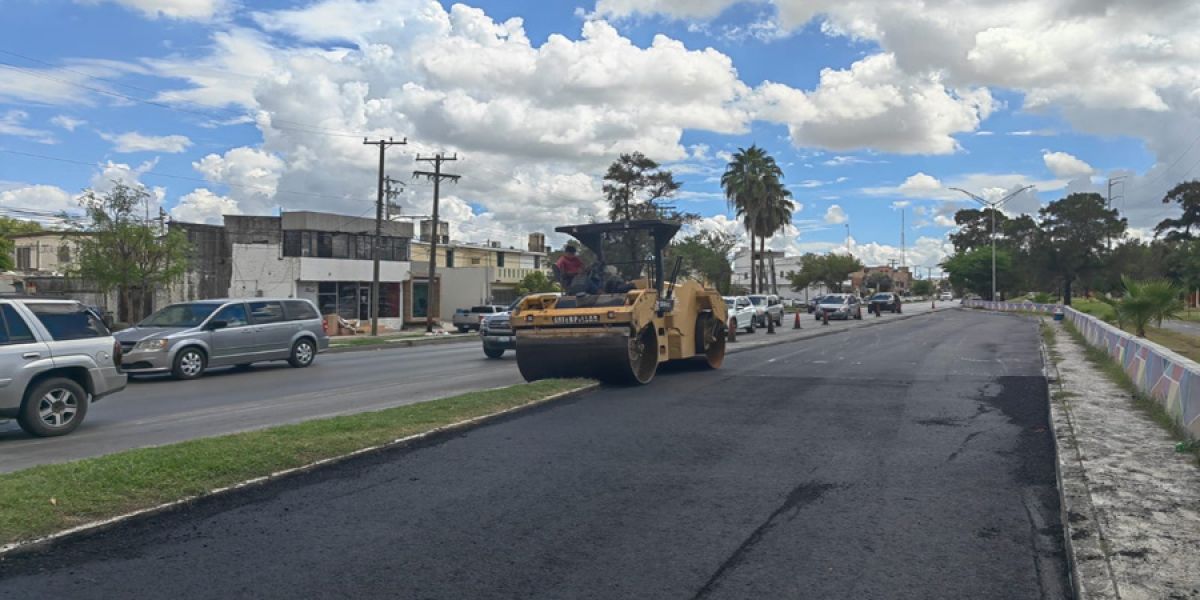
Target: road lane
{"points": [[160, 410], [907, 461]]}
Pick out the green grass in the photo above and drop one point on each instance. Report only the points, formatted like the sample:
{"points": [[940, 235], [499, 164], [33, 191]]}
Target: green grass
{"points": [[41, 500], [1182, 343], [1113, 371], [1095, 308]]}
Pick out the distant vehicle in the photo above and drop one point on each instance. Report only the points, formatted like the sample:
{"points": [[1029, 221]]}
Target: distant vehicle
{"points": [[56, 358], [741, 313], [885, 301], [186, 339], [468, 319], [767, 306], [840, 306], [812, 304], [946, 297], [496, 330]]}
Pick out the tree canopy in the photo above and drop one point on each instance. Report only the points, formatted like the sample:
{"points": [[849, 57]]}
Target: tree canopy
{"points": [[830, 270], [1187, 196], [753, 185], [705, 258], [972, 270]]}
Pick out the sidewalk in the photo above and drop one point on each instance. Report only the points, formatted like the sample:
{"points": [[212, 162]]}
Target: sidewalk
{"points": [[1131, 502]]}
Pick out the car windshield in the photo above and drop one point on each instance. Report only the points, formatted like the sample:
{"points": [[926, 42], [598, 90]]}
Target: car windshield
{"points": [[833, 300], [758, 300], [180, 315], [730, 303], [881, 297]]}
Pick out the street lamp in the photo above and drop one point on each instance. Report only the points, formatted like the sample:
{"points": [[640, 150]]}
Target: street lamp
{"points": [[995, 206]]}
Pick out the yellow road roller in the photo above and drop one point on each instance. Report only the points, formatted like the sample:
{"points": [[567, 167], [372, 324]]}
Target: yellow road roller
{"points": [[621, 316]]}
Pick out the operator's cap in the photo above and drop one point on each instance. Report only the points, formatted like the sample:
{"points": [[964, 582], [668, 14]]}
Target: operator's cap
{"points": [[569, 249]]}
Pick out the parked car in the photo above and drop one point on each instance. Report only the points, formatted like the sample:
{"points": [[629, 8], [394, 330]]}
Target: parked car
{"points": [[468, 319], [812, 304], [186, 339], [839, 306], [57, 358], [767, 306], [947, 297], [885, 301], [742, 313], [496, 331]]}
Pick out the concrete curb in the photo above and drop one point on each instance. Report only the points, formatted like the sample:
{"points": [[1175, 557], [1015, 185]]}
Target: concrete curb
{"points": [[430, 341], [79, 531], [1081, 537]]}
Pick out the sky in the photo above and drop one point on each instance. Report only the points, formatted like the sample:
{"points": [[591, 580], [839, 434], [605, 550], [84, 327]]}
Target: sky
{"points": [[873, 108]]}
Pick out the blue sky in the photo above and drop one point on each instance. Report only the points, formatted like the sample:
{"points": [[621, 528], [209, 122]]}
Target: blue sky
{"points": [[892, 120]]}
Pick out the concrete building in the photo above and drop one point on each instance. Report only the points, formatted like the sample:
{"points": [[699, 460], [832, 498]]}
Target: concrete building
{"points": [[45, 252], [901, 278], [480, 273], [781, 284]]}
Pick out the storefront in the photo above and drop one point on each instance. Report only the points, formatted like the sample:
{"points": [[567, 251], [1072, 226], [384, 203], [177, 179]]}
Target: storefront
{"points": [[351, 300]]}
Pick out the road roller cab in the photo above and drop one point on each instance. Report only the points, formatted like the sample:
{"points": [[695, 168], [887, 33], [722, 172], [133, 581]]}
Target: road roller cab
{"points": [[618, 320]]}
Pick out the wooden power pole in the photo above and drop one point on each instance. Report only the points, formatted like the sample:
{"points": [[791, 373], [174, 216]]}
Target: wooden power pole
{"points": [[383, 146], [436, 176]]}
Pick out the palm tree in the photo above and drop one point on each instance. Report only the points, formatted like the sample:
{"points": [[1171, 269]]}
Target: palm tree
{"points": [[1146, 301], [754, 190]]}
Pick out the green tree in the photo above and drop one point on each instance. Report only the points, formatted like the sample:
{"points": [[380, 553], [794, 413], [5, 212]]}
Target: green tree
{"points": [[830, 270], [10, 227], [124, 252], [972, 270], [1187, 196], [634, 184], [705, 258], [975, 228], [1076, 230], [879, 282], [753, 185], [536, 282], [1146, 301], [922, 287]]}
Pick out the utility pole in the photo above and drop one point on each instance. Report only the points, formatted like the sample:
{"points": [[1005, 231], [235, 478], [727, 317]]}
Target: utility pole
{"points": [[391, 190], [903, 245], [436, 176], [1111, 182], [848, 240], [995, 206], [383, 146]]}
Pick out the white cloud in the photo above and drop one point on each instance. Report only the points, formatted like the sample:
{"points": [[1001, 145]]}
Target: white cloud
{"points": [[899, 204], [682, 9], [924, 252], [253, 177], [67, 122], [944, 221], [835, 215], [135, 142], [203, 206], [42, 198], [199, 10], [61, 85], [1065, 165], [13, 123]]}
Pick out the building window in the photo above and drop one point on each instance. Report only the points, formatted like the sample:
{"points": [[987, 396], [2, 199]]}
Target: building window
{"points": [[321, 244], [499, 259], [449, 258], [537, 262], [25, 259], [351, 300], [476, 260], [64, 255]]}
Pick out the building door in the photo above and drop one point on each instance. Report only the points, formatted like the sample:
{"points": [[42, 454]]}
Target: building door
{"points": [[420, 304]]}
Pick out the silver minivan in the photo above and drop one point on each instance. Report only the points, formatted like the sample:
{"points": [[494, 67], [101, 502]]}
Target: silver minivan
{"points": [[187, 338], [56, 358]]}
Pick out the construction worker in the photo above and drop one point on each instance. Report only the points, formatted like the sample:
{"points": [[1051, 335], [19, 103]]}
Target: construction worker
{"points": [[568, 266]]}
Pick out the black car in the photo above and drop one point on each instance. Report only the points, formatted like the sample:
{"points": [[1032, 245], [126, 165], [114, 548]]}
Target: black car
{"points": [[885, 302]]}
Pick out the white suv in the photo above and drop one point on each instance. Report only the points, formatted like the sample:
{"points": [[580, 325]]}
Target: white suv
{"points": [[56, 357]]}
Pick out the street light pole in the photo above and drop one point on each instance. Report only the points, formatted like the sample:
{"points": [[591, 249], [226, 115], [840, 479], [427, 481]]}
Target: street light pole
{"points": [[995, 206]]}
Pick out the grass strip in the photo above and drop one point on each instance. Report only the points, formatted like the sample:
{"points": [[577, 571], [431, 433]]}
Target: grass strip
{"points": [[1149, 406], [1182, 343], [42, 500]]}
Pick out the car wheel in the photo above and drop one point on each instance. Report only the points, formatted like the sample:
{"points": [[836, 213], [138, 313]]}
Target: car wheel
{"points": [[189, 363], [750, 327], [303, 353], [493, 352], [55, 406]]}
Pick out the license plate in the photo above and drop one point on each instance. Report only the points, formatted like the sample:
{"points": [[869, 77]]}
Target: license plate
{"points": [[576, 319]]}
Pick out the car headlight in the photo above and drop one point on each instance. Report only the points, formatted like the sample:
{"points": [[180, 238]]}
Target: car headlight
{"points": [[151, 345]]}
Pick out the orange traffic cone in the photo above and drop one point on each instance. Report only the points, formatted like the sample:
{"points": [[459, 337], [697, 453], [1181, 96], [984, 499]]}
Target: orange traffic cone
{"points": [[731, 333], [796, 325]]}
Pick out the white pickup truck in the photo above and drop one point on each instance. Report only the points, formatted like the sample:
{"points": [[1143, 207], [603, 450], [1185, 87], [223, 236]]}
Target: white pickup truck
{"points": [[468, 319]]}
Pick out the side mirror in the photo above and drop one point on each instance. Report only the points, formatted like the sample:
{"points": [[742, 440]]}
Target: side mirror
{"points": [[215, 325]]}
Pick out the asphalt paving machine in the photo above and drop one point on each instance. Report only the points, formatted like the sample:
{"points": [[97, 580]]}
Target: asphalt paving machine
{"points": [[616, 322]]}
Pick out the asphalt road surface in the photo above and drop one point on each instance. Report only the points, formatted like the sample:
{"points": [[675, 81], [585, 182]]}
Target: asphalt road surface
{"points": [[906, 461], [160, 410]]}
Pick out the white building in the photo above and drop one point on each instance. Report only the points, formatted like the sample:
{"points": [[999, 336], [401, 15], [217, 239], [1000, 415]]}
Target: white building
{"points": [[781, 283]]}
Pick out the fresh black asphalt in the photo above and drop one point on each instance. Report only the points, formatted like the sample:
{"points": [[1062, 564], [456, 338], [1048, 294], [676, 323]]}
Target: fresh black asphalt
{"points": [[907, 461]]}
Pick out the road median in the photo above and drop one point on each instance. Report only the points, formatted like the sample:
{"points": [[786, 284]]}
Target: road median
{"points": [[45, 503]]}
